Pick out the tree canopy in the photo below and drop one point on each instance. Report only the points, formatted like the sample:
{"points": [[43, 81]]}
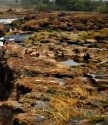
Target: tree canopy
{"points": [[65, 5]]}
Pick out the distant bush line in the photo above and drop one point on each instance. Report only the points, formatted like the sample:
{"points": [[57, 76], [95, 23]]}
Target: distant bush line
{"points": [[64, 5], [68, 5]]}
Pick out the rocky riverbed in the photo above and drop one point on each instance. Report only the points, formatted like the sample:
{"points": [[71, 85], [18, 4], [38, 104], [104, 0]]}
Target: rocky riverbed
{"points": [[58, 74]]}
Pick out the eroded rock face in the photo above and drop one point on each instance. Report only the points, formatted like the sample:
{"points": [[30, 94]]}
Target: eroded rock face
{"points": [[48, 80], [5, 81], [7, 111], [3, 29], [68, 22], [42, 82]]}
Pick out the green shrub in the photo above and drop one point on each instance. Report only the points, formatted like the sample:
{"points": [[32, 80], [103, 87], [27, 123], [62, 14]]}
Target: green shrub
{"points": [[42, 6], [103, 8]]}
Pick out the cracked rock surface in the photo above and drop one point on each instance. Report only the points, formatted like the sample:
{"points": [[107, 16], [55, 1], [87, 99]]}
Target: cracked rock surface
{"points": [[59, 75]]}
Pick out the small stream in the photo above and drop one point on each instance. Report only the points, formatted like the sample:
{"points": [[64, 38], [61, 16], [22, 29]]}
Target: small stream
{"points": [[7, 21], [17, 37]]}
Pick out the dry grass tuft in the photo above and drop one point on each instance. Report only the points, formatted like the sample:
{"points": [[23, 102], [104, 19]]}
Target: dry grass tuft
{"points": [[61, 109]]}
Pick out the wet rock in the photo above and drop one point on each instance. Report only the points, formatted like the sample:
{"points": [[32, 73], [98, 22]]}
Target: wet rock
{"points": [[10, 10], [6, 78], [75, 121], [94, 121], [90, 41], [3, 30], [63, 22], [86, 57], [32, 120], [44, 90], [70, 63], [7, 111], [100, 81], [13, 106], [41, 105]]}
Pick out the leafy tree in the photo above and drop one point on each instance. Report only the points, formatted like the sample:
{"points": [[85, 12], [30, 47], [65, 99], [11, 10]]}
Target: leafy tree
{"points": [[42, 6], [103, 8], [66, 5], [46, 1], [81, 5]]}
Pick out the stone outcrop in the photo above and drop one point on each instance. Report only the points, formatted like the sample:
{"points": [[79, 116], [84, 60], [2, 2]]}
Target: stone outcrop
{"points": [[46, 80]]}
